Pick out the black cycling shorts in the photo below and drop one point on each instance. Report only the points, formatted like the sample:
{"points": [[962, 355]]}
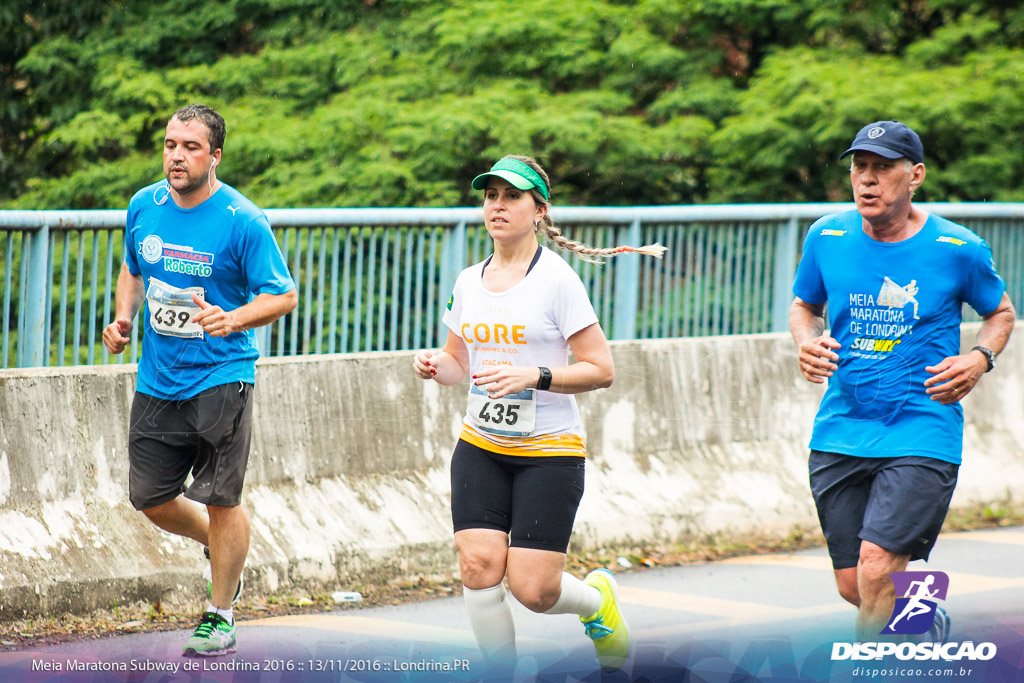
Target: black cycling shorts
{"points": [[207, 435], [533, 499], [896, 503]]}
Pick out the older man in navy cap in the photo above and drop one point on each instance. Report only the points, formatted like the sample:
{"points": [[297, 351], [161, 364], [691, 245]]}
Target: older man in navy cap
{"points": [[887, 439]]}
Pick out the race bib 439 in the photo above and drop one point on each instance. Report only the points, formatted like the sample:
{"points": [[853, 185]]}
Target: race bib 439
{"points": [[171, 309]]}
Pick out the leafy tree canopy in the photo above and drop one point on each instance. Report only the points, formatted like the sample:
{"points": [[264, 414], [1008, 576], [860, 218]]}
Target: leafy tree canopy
{"points": [[402, 102]]}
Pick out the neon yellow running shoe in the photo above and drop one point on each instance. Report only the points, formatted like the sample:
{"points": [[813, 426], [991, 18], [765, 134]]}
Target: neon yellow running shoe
{"points": [[606, 627]]}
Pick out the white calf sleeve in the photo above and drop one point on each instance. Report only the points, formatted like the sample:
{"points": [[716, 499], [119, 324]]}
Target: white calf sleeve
{"points": [[576, 598], [490, 615]]}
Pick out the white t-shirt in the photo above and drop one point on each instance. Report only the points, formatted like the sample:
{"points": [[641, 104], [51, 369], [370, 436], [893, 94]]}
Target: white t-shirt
{"points": [[528, 324]]}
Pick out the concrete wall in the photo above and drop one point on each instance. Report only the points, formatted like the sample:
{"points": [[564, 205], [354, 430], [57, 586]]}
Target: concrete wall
{"points": [[348, 477]]}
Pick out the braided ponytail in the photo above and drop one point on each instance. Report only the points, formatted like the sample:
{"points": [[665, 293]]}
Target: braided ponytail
{"points": [[554, 233]]}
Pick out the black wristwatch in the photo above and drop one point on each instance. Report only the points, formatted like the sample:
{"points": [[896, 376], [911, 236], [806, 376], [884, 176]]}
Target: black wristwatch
{"points": [[544, 383], [990, 357]]}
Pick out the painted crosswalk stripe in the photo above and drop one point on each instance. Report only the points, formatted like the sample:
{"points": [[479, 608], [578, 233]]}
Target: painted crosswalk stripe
{"points": [[384, 628], [367, 626], [702, 604], [791, 561], [1004, 537]]}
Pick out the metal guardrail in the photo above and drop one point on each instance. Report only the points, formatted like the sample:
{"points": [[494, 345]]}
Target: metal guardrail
{"points": [[377, 279]]}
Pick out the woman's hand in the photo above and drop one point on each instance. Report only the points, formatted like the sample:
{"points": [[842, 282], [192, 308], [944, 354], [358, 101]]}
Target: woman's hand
{"points": [[422, 366], [502, 380]]}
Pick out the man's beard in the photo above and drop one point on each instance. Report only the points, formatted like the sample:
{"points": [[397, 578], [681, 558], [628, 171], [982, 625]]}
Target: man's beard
{"points": [[193, 184]]}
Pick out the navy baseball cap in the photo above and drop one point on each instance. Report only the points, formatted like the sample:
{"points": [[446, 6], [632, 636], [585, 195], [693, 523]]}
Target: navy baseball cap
{"points": [[890, 139]]}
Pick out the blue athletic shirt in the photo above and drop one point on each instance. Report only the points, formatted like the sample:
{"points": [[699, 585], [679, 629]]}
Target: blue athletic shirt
{"points": [[225, 246], [895, 308]]}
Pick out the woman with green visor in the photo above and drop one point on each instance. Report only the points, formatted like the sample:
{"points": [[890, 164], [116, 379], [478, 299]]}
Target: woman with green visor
{"points": [[518, 468]]}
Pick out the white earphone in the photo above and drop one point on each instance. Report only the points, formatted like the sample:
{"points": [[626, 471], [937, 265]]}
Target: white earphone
{"points": [[162, 200], [209, 174]]}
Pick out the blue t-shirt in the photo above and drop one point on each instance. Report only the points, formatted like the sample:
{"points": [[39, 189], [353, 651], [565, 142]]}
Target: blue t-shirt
{"points": [[895, 309], [226, 248]]}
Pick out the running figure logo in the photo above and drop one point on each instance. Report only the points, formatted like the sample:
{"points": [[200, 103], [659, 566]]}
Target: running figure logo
{"points": [[914, 612], [895, 296]]}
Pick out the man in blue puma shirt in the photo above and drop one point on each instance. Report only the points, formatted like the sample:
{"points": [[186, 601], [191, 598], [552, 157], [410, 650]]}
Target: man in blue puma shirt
{"points": [[205, 262], [887, 438]]}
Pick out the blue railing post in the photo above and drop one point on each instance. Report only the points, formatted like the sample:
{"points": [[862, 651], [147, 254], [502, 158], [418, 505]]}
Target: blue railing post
{"points": [[36, 299], [263, 340], [627, 285], [786, 245], [453, 260]]}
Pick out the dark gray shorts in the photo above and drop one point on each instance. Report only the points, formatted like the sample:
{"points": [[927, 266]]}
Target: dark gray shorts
{"points": [[897, 503], [207, 435]]}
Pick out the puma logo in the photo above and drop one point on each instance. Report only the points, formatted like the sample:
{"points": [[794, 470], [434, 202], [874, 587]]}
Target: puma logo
{"points": [[232, 209]]}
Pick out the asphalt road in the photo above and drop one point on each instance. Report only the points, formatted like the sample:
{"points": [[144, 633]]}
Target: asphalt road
{"points": [[766, 618]]}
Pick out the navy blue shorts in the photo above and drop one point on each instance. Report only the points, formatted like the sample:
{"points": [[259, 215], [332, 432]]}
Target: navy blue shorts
{"points": [[896, 503], [207, 435], [533, 499]]}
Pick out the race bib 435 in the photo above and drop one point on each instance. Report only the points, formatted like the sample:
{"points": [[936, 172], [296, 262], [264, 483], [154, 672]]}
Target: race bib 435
{"points": [[512, 415]]}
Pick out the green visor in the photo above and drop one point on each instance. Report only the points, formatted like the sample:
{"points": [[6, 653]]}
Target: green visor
{"points": [[517, 173]]}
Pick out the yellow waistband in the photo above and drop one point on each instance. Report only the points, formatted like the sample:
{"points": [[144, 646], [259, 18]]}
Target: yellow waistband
{"points": [[529, 446]]}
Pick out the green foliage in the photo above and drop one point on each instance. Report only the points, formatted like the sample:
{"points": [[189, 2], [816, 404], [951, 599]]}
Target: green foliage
{"points": [[402, 102], [796, 120]]}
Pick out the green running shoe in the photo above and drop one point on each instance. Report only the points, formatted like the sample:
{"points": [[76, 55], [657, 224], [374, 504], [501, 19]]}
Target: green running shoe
{"points": [[606, 627], [214, 636]]}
